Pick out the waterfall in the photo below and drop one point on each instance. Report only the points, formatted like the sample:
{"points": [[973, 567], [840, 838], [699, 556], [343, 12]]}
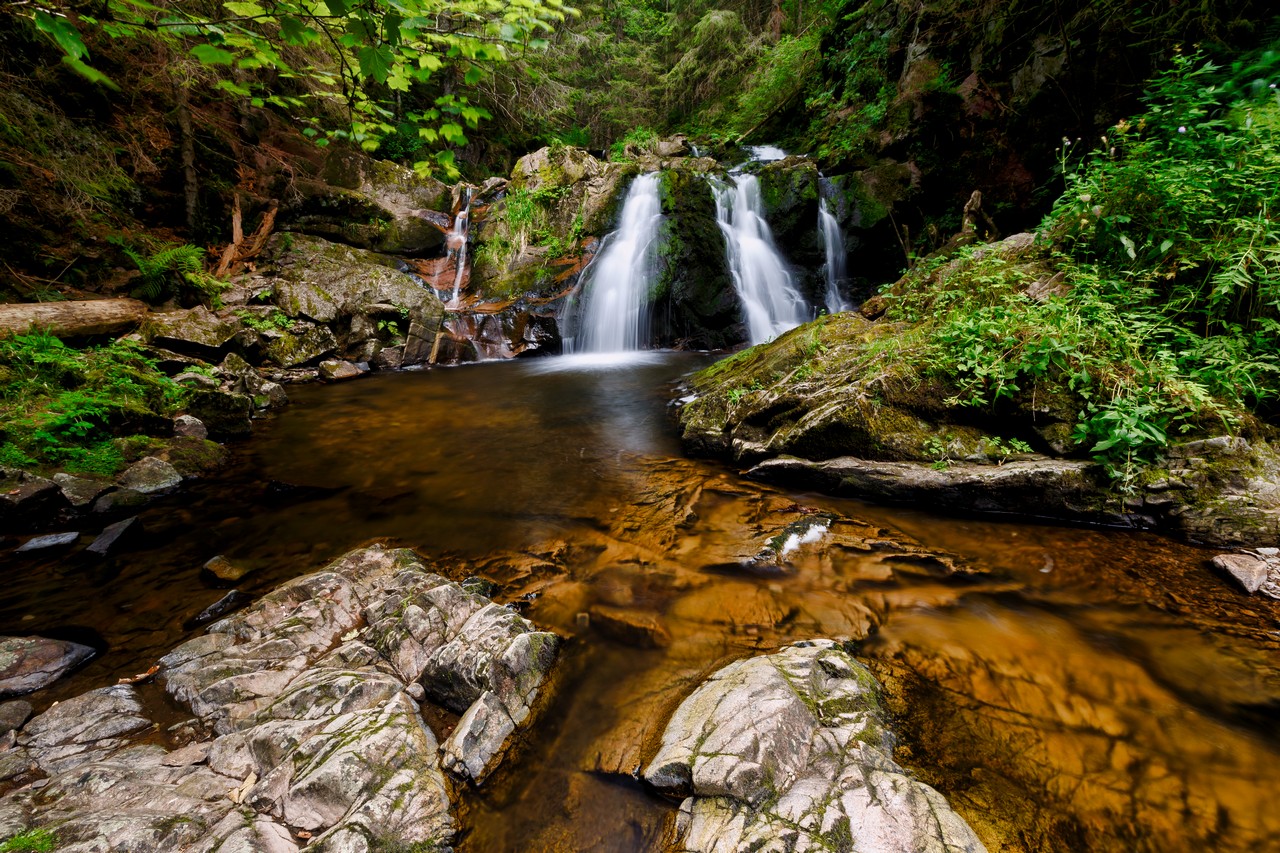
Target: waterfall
{"points": [[456, 241], [769, 296], [833, 242], [617, 283]]}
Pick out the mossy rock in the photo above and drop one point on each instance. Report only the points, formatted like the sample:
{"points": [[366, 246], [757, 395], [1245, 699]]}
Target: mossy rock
{"points": [[694, 300]]}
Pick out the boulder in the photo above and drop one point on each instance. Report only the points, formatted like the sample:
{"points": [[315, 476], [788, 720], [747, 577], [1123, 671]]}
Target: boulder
{"points": [[149, 476], [306, 719], [1254, 571], [323, 282], [29, 663], [810, 768], [335, 370], [304, 345], [80, 491], [370, 204], [26, 497], [224, 415], [190, 427], [196, 332], [13, 714]]}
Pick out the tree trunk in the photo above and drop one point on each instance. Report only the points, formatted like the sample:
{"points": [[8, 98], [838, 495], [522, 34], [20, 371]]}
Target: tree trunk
{"points": [[72, 319], [190, 185]]}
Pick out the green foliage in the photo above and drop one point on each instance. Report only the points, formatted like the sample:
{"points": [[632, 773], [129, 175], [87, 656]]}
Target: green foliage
{"points": [[641, 138], [172, 272], [276, 320], [395, 68], [60, 406], [30, 841]]}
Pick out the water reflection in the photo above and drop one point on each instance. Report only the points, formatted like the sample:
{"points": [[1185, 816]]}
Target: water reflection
{"points": [[1069, 689]]}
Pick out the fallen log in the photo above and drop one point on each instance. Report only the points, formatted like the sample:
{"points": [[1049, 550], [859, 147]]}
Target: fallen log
{"points": [[72, 319]]}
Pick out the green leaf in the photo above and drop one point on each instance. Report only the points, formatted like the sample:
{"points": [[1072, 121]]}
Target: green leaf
{"points": [[210, 55], [244, 8], [337, 8], [233, 88], [376, 62], [66, 35], [474, 75], [453, 133], [89, 73], [293, 31]]}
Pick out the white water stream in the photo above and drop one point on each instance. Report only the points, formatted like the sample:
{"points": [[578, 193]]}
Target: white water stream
{"points": [[617, 284], [833, 242], [770, 300], [456, 241]]}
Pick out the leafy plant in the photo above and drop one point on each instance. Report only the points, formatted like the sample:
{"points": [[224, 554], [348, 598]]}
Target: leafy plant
{"points": [[393, 67], [276, 320], [60, 406], [172, 272], [30, 841]]}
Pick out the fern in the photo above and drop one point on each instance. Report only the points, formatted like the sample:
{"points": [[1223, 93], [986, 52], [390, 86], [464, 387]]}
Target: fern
{"points": [[173, 271]]}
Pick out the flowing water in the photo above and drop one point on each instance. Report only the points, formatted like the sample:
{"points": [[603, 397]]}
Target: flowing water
{"points": [[833, 243], [1068, 689], [456, 241], [616, 286], [769, 297]]}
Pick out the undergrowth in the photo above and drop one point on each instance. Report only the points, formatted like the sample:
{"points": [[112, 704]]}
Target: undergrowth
{"points": [[60, 406], [1168, 247]]}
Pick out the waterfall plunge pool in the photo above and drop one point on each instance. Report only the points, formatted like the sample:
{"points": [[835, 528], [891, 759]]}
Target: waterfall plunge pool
{"points": [[1067, 689]]}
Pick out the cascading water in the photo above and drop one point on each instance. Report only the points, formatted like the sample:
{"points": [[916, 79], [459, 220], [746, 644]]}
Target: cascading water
{"points": [[616, 285], [456, 241], [833, 242], [769, 296]]}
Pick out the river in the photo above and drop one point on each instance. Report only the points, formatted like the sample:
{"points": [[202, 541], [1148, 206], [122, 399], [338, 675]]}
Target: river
{"points": [[1066, 688]]}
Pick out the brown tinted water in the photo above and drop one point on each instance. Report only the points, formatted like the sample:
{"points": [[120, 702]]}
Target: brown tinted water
{"points": [[1068, 689]]}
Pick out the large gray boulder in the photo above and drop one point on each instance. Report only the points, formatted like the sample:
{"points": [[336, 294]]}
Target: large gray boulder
{"points": [[306, 719], [791, 752]]}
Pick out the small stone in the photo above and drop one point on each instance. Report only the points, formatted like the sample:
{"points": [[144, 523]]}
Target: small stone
{"points": [[13, 714], [334, 370], [225, 570], [416, 692], [389, 358], [1267, 552], [189, 426], [149, 476], [233, 600], [1248, 571], [51, 540], [111, 535], [29, 663]]}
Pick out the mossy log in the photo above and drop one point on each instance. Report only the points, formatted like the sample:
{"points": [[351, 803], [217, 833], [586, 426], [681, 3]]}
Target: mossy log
{"points": [[72, 319]]}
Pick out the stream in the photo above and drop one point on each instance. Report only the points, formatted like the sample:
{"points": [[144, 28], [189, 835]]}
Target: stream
{"points": [[1066, 688]]}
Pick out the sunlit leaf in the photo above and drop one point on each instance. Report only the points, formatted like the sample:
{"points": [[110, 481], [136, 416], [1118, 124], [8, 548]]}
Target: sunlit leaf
{"points": [[210, 55]]}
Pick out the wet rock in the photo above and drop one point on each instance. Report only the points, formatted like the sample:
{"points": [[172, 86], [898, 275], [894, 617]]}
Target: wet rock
{"points": [[112, 535], [224, 415], [29, 663], [80, 491], [388, 358], [1053, 487], [224, 570], [25, 496], [13, 714], [336, 370], [119, 499], [150, 476], [190, 427], [49, 541], [640, 630], [313, 726], [1254, 571], [233, 600], [809, 769]]}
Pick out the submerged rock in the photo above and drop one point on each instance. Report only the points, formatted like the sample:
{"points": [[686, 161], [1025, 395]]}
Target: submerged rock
{"points": [[791, 751], [309, 695], [29, 663]]}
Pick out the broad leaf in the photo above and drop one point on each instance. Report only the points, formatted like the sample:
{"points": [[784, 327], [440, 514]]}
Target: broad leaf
{"points": [[375, 62], [210, 55]]}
